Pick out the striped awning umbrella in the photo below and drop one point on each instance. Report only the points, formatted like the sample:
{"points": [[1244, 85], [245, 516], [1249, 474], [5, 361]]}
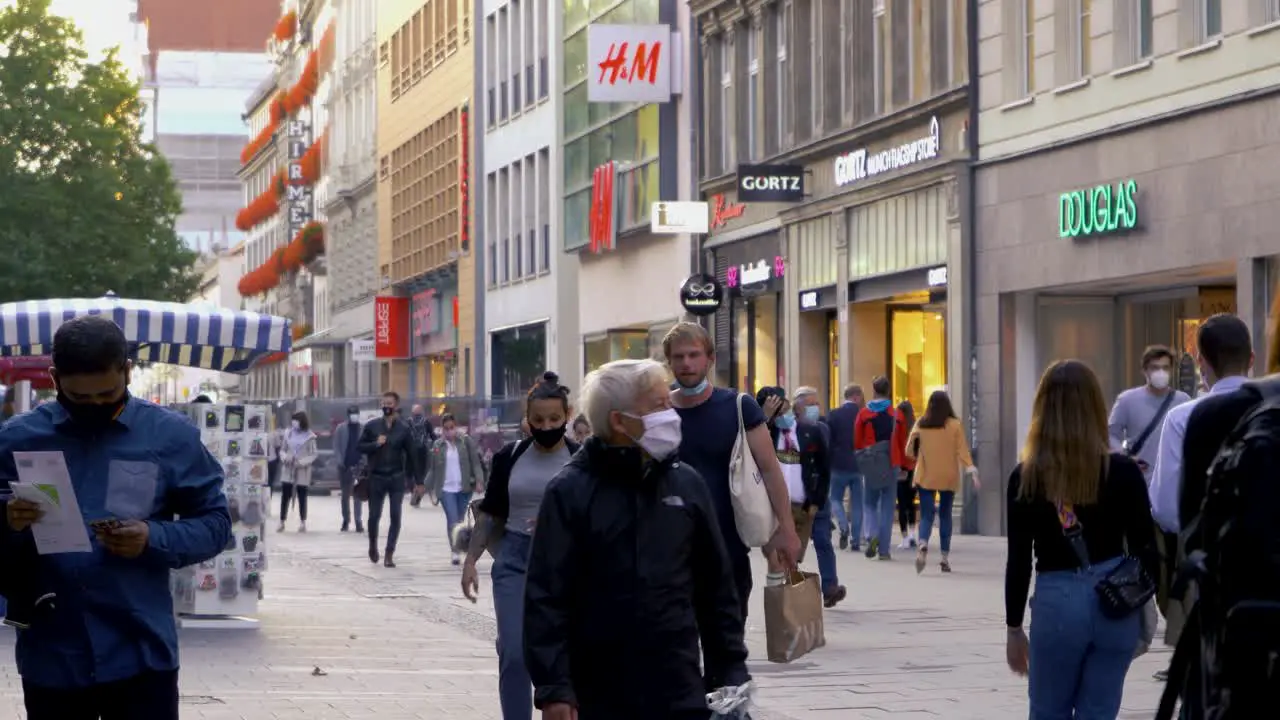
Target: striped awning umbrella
{"points": [[195, 336]]}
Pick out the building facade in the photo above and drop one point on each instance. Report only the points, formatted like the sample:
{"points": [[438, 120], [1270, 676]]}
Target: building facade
{"points": [[530, 300], [1122, 190], [350, 204], [833, 160], [425, 320], [620, 159]]}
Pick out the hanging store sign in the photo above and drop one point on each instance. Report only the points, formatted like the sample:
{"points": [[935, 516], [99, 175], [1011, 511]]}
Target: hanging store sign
{"points": [[701, 295], [391, 327], [809, 300], [770, 183], [363, 351], [297, 193], [676, 218], [860, 164], [1102, 210], [723, 210], [631, 63], [602, 223], [755, 273], [937, 276]]}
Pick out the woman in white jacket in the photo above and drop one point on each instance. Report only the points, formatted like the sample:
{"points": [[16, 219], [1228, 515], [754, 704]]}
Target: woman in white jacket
{"points": [[298, 451]]}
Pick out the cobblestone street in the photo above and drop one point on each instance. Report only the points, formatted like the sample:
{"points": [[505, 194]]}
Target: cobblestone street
{"points": [[403, 644]]}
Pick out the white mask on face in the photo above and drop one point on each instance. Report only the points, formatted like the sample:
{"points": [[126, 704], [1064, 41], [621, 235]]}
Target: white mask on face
{"points": [[354, 417], [1159, 379], [297, 425], [661, 434]]}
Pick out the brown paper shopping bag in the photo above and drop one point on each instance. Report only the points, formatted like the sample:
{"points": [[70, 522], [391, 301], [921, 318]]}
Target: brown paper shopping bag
{"points": [[793, 617]]}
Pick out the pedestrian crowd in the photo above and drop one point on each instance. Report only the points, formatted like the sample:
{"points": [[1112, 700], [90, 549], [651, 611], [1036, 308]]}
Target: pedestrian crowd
{"points": [[622, 526]]}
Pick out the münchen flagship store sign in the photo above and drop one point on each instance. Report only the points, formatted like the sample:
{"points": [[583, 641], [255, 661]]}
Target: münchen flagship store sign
{"points": [[862, 164], [1101, 210]]}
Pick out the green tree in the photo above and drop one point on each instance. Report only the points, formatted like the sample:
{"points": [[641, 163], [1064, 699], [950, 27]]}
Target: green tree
{"points": [[85, 205]]}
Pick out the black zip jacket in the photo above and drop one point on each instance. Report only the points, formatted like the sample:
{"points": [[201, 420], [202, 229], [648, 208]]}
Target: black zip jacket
{"points": [[398, 457], [815, 460], [496, 502], [628, 572]]}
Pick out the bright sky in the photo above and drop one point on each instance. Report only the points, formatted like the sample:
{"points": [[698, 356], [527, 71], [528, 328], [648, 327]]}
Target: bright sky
{"points": [[105, 23]]}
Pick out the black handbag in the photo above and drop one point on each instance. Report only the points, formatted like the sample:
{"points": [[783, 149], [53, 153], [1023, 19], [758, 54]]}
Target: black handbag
{"points": [[1124, 590]]}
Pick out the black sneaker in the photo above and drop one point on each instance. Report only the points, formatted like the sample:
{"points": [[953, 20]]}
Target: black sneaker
{"points": [[832, 597], [855, 547], [873, 548], [345, 527], [844, 540]]}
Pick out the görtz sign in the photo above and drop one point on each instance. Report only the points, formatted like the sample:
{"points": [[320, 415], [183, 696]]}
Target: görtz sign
{"points": [[862, 164], [770, 183]]}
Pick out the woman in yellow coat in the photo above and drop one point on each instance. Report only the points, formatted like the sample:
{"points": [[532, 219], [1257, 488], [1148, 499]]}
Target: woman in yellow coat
{"points": [[941, 450]]}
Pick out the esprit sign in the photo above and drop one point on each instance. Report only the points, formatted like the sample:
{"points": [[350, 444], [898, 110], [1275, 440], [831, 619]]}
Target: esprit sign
{"points": [[630, 63], [602, 222], [860, 164], [770, 183], [391, 327], [1101, 210]]}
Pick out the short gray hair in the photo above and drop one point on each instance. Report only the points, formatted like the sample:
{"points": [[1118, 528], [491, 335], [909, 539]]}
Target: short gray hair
{"points": [[804, 391], [615, 386]]}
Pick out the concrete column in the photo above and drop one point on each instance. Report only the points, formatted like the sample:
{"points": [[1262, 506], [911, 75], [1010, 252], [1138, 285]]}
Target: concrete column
{"points": [[1251, 305], [791, 309], [840, 238]]}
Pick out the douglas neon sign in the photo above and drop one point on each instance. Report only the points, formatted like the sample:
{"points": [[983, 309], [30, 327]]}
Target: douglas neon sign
{"points": [[1101, 210]]}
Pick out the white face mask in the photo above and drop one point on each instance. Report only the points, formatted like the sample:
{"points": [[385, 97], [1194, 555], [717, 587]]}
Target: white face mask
{"points": [[297, 425], [354, 417], [661, 434], [1159, 379]]}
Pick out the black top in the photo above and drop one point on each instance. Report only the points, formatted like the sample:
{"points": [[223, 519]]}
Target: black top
{"points": [[629, 586], [496, 502], [1211, 421], [397, 457], [1123, 513], [841, 421]]}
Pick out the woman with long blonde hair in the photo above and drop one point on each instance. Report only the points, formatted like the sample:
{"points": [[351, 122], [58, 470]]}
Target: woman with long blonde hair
{"points": [[1080, 511]]}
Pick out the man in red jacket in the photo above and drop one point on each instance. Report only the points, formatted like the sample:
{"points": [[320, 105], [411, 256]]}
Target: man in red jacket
{"points": [[879, 457]]}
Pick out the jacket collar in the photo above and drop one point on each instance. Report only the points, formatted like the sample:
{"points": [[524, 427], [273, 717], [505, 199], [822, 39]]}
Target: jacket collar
{"points": [[629, 465]]}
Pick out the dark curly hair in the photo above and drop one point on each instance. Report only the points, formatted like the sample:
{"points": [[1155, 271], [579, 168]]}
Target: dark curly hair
{"points": [[549, 388]]}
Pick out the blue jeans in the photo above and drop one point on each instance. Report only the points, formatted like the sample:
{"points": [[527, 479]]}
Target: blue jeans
{"points": [[821, 535], [879, 508], [515, 689], [931, 506], [455, 511], [847, 482], [1079, 656]]}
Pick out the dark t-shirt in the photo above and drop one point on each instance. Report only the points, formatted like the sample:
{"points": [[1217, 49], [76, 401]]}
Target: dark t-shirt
{"points": [[709, 433]]}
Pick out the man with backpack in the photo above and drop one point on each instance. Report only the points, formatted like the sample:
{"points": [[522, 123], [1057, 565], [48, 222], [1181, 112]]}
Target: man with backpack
{"points": [[1227, 660], [879, 458]]}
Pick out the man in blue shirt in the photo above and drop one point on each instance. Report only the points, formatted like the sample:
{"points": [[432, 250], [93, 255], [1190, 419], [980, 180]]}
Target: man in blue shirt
{"points": [[109, 647]]}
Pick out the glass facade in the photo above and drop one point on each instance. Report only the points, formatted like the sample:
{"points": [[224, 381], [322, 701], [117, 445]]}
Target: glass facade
{"points": [[918, 354], [595, 133], [615, 345], [518, 359]]}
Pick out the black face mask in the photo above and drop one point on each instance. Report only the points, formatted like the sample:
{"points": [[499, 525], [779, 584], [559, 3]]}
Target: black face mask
{"points": [[92, 415], [547, 438], [388, 412]]}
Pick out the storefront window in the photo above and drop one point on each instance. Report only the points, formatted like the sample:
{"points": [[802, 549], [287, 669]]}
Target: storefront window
{"points": [[519, 359], [755, 342], [741, 345], [444, 370], [836, 398], [919, 354], [616, 345]]}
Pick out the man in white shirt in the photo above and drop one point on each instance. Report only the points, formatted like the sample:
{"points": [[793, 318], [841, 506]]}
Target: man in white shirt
{"points": [[1226, 358]]}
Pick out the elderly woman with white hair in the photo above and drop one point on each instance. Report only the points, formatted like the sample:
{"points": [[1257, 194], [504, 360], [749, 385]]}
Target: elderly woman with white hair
{"points": [[628, 573]]}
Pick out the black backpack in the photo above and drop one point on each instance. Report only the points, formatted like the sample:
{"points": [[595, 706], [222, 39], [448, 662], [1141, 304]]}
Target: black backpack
{"points": [[1227, 662]]}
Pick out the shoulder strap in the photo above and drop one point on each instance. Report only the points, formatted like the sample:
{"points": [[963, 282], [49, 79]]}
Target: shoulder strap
{"points": [[742, 428], [519, 449], [1155, 423]]}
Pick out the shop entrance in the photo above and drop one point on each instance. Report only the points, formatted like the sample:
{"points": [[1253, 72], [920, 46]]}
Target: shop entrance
{"points": [[917, 352]]}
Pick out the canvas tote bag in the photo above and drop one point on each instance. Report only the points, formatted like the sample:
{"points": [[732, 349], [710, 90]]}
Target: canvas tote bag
{"points": [[793, 617], [752, 511]]}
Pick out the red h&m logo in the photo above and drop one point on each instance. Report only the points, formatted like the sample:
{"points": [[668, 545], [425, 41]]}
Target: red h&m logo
{"points": [[643, 65], [601, 219]]}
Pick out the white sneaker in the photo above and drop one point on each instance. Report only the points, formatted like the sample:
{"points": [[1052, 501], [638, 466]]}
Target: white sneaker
{"points": [[455, 559], [302, 527], [281, 528], [906, 544]]}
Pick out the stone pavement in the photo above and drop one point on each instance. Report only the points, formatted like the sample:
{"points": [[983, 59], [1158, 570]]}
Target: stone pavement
{"points": [[404, 644]]}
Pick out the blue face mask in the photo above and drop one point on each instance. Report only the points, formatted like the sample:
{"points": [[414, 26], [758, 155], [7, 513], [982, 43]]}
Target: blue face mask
{"points": [[785, 421], [811, 413], [695, 390]]}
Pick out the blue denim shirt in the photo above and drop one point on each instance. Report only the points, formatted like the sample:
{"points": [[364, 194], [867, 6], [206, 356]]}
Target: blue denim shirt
{"points": [[114, 617]]}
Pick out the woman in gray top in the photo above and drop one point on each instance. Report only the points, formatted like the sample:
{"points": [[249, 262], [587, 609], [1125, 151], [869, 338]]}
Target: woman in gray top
{"points": [[518, 478]]}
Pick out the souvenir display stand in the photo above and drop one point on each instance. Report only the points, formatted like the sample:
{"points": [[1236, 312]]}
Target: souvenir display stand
{"points": [[224, 592]]}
